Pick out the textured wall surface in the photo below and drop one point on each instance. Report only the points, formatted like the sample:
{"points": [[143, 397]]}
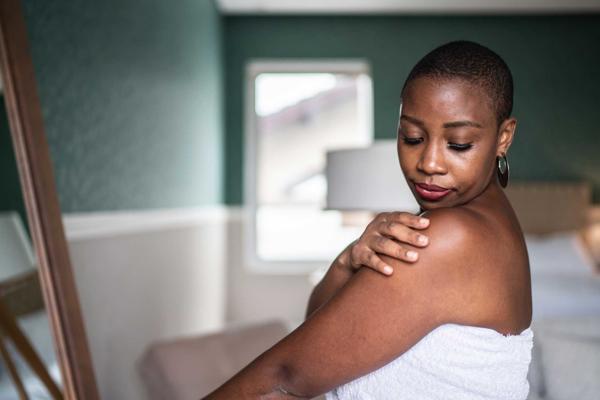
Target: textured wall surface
{"points": [[131, 96], [554, 60]]}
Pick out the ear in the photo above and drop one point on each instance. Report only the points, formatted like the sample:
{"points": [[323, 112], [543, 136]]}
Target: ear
{"points": [[506, 134], [399, 115]]}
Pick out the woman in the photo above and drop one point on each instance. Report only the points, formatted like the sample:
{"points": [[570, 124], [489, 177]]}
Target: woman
{"points": [[455, 325]]}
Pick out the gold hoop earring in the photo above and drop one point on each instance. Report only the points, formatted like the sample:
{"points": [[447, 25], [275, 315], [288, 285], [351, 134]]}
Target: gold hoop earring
{"points": [[503, 169]]}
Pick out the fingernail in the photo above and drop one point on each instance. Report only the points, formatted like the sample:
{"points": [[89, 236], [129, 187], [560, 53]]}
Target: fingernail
{"points": [[423, 239], [387, 269], [412, 255], [423, 221]]}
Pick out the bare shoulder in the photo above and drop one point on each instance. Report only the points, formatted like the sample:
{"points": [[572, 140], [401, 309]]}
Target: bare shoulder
{"points": [[458, 229], [463, 234], [468, 262]]}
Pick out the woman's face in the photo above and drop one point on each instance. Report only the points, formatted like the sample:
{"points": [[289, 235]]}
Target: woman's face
{"points": [[448, 137]]}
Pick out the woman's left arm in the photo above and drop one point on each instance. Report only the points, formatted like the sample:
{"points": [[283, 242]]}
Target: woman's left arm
{"points": [[369, 322]]}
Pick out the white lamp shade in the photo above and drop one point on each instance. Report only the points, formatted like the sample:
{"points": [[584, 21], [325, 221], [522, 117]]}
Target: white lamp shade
{"points": [[368, 179]]}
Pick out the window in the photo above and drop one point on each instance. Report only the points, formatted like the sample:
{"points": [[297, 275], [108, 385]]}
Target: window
{"points": [[295, 112]]}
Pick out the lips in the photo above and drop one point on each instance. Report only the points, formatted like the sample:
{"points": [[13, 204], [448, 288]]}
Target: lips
{"points": [[431, 192], [431, 188]]}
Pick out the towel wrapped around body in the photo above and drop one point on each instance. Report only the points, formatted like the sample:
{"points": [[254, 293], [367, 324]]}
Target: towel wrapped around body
{"points": [[451, 362]]}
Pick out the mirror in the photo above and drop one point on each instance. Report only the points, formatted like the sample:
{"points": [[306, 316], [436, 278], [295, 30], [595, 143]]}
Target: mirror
{"points": [[28, 366], [43, 345]]}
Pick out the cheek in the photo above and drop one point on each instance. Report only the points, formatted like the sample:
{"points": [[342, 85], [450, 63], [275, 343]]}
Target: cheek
{"points": [[471, 160], [472, 168], [407, 159]]}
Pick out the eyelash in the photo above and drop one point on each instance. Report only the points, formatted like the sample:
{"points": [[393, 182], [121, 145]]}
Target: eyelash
{"points": [[453, 146]]}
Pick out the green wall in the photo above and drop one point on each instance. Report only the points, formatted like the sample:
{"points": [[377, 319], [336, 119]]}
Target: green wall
{"points": [[554, 60], [131, 93]]}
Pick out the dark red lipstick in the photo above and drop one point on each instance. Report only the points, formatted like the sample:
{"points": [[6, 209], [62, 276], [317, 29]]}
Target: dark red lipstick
{"points": [[431, 192]]}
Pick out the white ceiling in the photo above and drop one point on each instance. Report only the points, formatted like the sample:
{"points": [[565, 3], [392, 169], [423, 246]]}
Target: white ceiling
{"points": [[407, 6]]}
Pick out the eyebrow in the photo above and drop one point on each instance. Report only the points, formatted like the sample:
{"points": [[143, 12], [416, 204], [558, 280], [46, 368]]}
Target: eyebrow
{"points": [[453, 124]]}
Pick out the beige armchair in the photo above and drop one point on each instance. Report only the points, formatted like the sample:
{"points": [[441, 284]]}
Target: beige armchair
{"points": [[190, 368]]}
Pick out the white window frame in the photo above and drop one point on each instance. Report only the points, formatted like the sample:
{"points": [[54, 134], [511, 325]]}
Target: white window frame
{"points": [[255, 67]]}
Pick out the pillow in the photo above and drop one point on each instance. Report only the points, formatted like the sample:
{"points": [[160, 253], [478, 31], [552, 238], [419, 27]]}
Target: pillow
{"points": [[559, 254]]}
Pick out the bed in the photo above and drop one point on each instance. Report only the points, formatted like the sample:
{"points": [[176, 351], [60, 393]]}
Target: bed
{"points": [[565, 285]]}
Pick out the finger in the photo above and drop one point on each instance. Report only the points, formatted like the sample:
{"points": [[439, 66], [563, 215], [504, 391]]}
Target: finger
{"points": [[404, 234], [389, 247], [365, 257], [360, 255], [408, 219], [377, 264], [382, 217], [379, 218]]}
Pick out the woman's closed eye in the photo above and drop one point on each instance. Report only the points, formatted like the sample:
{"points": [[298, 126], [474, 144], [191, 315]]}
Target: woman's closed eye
{"points": [[412, 141], [460, 146], [453, 146]]}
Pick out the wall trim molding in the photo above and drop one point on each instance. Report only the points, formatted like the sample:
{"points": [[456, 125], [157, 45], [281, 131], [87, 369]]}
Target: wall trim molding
{"points": [[403, 7], [94, 225], [98, 224]]}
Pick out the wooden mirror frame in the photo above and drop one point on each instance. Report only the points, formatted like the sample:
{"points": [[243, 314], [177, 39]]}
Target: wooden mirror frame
{"points": [[43, 210]]}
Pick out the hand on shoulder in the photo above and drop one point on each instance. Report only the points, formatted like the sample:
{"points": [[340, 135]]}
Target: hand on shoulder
{"points": [[452, 264]]}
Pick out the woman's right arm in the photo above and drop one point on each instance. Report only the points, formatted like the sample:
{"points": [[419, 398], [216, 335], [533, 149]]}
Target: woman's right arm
{"points": [[373, 319], [381, 236]]}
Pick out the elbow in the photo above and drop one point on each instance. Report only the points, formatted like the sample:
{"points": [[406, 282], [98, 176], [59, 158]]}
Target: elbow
{"points": [[294, 385]]}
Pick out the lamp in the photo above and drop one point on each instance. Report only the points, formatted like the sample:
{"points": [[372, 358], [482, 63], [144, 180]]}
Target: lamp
{"points": [[363, 181], [367, 179]]}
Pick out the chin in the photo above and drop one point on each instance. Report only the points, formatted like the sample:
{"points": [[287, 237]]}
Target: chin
{"points": [[426, 206]]}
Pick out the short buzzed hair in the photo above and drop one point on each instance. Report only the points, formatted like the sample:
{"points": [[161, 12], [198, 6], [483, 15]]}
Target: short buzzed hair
{"points": [[473, 63]]}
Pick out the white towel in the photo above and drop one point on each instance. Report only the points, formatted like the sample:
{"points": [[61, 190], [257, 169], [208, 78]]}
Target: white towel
{"points": [[451, 362]]}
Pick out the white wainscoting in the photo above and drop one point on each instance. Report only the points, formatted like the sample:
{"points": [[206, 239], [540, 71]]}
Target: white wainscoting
{"points": [[253, 296], [144, 276]]}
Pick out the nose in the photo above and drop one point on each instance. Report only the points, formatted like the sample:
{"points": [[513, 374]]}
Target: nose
{"points": [[432, 159]]}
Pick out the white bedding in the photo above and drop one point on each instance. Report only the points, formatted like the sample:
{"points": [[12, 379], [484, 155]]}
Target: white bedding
{"points": [[563, 282], [566, 319]]}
